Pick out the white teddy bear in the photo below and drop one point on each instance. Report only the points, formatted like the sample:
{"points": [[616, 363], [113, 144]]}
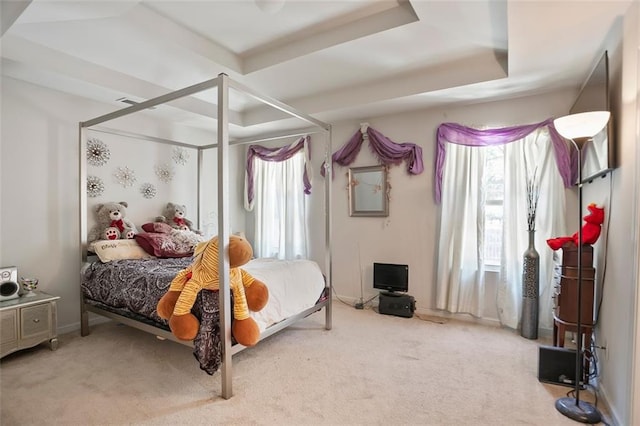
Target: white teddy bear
{"points": [[175, 216]]}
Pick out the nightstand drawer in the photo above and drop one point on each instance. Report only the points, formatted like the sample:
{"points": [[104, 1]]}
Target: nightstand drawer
{"points": [[35, 320], [8, 327], [28, 321]]}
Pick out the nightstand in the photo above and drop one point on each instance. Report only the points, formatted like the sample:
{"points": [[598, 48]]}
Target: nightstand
{"points": [[28, 321]]}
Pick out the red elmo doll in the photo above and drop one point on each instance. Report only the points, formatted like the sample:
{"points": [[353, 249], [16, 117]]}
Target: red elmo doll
{"points": [[590, 230]]}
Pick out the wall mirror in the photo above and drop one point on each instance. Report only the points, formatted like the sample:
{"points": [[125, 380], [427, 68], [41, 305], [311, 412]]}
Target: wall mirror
{"points": [[368, 191]]}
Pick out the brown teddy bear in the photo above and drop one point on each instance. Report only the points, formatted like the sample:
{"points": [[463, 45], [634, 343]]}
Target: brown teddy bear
{"points": [[248, 292]]}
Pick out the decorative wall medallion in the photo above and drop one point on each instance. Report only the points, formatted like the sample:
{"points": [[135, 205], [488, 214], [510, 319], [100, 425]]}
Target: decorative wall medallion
{"points": [[164, 172], [125, 176], [148, 190], [97, 152], [95, 186], [180, 155]]}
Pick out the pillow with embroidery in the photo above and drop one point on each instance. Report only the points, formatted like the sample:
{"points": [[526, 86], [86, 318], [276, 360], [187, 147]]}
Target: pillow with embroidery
{"points": [[108, 250]]}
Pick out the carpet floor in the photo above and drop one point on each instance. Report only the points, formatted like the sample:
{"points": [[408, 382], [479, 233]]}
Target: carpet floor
{"points": [[369, 369]]}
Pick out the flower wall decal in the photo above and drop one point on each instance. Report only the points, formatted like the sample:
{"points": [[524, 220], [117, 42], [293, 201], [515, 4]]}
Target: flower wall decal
{"points": [[180, 155], [125, 176], [148, 190], [95, 186], [165, 172], [97, 152]]}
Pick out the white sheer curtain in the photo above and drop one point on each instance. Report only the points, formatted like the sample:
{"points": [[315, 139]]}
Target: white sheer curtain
{"points": [[534, 150], [280, 208], [460, 273]]}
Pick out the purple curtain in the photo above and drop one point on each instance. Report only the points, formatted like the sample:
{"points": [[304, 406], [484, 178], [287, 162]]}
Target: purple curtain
{"points": [[461, 135], [276, 154], [387, 151]]}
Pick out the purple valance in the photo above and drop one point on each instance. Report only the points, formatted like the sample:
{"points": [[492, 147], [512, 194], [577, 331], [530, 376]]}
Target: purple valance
{"points": [[276, 154], [461, 135], [387, 151]]}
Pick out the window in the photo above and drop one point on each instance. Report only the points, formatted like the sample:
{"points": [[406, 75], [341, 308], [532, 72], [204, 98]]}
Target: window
{"points": [[483, 222], [280, 208], [494, 200]]}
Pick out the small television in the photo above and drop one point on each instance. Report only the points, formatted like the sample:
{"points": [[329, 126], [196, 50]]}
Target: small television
{"points": [[599, 154], [391, 277]]}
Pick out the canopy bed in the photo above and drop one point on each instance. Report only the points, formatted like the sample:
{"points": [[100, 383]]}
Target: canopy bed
{"points": [[135, 305]]}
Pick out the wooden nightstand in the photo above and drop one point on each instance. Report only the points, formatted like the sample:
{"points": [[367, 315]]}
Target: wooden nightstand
{"points": [[28, 321]]}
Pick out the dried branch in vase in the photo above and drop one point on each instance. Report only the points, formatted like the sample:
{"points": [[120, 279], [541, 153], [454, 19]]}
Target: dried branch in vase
{"points": [[533, 192]]}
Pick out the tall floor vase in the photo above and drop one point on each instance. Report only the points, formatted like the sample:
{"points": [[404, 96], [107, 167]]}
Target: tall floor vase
{"points": [[530, 290]]}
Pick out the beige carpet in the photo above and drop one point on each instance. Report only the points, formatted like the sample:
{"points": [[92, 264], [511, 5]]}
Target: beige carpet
{"points": [[369, 369]]}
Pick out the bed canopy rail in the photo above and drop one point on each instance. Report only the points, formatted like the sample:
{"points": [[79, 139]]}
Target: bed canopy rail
{"points": [[223, 83]]}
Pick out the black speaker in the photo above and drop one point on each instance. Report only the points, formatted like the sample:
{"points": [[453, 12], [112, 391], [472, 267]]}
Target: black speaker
{"points": [[401, 305], [557, 365]]}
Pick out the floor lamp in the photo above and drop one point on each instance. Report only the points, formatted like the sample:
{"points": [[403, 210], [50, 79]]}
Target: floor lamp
{"points": [[580, 129]]}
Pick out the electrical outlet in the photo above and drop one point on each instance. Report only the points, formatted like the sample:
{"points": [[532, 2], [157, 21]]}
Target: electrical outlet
{"points": [[604, 350]]}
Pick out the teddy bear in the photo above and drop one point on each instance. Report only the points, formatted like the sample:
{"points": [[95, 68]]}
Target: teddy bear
{"points": [[174, 215], [249, 293], [112, 222], [590, 230]]}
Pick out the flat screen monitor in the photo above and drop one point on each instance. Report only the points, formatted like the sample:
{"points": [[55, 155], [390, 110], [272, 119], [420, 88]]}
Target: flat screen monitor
{"points": [[391, 277]]}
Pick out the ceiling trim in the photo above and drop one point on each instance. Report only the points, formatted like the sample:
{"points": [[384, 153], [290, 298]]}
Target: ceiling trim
{"points": [[378, 17], [10, 11], [486, 65]]}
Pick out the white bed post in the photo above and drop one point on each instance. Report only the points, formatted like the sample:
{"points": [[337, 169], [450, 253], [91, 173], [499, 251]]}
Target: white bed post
{"points": [[328, 164], [82, 147], [200, 210], [223, 233]]}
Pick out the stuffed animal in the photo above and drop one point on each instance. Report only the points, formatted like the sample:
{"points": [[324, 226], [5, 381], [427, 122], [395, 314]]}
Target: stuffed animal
{"points": [[248, 292], [590, 230], [112, 223], [175, 216]]}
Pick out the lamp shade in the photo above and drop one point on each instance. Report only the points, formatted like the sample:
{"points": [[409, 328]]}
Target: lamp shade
{"points": [[582, 125]]}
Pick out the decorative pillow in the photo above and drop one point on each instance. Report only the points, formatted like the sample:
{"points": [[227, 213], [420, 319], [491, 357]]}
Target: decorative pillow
{"points": [[108, 250], [157, 227], [161, 240]]}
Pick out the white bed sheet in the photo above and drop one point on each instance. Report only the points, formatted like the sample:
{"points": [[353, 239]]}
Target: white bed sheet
{"points": [[294, 285]]}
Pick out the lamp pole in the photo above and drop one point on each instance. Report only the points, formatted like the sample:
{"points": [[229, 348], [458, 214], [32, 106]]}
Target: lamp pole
{"points": [[573, 408]]}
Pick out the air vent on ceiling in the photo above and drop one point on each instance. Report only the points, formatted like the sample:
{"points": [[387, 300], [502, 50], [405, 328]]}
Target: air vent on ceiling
{"points": [[130, 101]]}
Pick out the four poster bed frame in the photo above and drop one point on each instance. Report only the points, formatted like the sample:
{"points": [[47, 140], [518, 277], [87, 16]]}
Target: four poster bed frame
{"points": [[223, 83]]}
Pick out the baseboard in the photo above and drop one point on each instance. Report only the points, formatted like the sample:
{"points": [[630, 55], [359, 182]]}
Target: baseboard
{"points": [[73, 327], [491, 322], [614, 418]]}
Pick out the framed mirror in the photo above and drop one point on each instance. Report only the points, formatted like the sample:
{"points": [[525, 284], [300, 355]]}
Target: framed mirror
{"points": [[368, 191]]}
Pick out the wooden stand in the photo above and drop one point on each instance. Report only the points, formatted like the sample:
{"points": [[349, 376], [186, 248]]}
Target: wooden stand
{"points": [[565, 313]]}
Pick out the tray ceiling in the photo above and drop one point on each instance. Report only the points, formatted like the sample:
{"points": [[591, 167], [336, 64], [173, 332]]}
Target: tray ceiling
{"points": [[335, 60]]}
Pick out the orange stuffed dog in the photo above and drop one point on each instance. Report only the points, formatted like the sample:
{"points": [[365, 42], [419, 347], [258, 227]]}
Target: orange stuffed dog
{"points": [[248, 292]]}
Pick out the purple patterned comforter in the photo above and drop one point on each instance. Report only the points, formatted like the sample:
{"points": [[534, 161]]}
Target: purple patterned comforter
{"points": [[133, 288]]}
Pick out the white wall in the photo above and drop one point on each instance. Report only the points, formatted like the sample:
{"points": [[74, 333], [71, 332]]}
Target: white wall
{"points": [[634, 416], [619, 252], [142, 157], [39, 179], [40, 235], [39, 198], [409, 234]]}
